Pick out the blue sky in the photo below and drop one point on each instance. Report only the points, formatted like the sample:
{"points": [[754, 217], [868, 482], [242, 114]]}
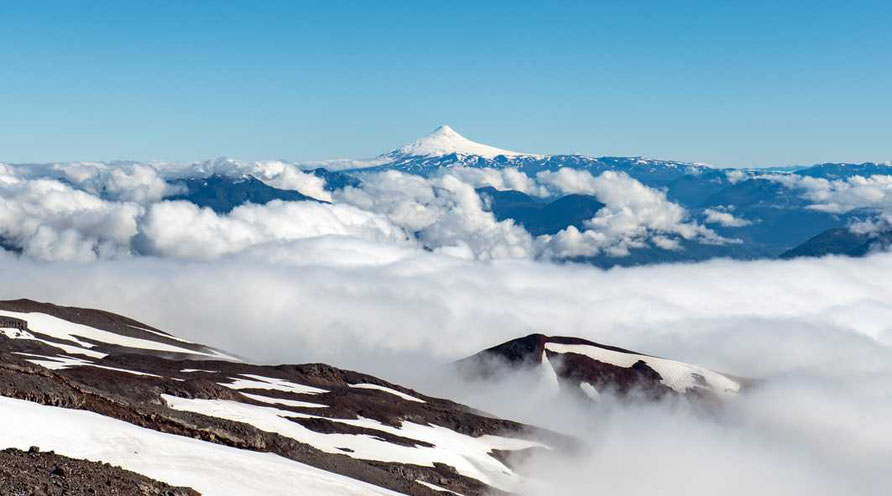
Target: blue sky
{"points": [[728, 83]]}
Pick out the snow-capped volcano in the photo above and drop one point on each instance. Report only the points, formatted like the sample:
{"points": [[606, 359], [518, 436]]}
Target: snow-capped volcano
{"points": [[445, 141], [445, 148]]}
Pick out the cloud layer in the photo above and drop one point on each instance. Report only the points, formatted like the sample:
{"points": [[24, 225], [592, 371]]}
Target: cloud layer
{"points": [[86, 211], [633, 217]]}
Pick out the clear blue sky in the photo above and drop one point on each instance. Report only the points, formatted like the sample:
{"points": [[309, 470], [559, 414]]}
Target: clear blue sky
{"points": [[729, 83]]}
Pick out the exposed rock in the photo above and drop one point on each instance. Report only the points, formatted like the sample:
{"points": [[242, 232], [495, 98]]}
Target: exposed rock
{"points": [[46, 473]]}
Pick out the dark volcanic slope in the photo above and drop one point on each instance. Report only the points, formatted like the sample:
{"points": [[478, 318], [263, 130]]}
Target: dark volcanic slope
{"points": [[584, 367], [337, 420], [46, 473], [116, 332]]}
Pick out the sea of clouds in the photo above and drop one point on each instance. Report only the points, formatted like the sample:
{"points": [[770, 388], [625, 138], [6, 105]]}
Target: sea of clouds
{"points": [[405, 274], [90, 211]]}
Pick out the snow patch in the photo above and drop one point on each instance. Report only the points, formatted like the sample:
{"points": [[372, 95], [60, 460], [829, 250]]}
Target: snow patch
{"points": [[69, 331], [284, 402], [272, 384], [468, 455], [437, 488], [206, 467], [388, 390], [60, 362], [67, 348]]}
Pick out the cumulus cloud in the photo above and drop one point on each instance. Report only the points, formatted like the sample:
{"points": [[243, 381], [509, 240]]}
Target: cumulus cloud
{"points": [[874, 225], [724, 217], [634, 216], [840, 196], [735, 176], [444, 212], [182, 230], [275, 173], [121, 181], [49, 220], [505, 179], [115, 201], [150, 182]]}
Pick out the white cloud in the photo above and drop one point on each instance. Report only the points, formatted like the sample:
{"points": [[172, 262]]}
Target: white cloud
{"points": [[445, 213], [49, 220], [505, 179], [148, 182], [724, 218], [634, 216], [840, 196], [280, 175], [818, 331], [183, 230], [124, 181], [877, 224]]}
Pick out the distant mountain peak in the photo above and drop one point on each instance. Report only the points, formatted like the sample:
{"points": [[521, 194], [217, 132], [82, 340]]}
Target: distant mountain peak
{"points": [[445, 141]]}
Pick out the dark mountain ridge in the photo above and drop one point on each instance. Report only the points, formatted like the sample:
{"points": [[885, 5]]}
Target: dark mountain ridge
{"points": [[222, 193]]}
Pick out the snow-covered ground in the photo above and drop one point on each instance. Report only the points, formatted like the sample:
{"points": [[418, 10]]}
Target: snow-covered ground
{"points": [[469, 455], [209, 468], [58, 362], [250, 381], [69, 331], [388, 390]]}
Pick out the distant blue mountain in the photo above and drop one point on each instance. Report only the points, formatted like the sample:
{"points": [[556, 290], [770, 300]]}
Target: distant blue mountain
{"points": [[648, 171], [222, 193], [693, 190], [842, 171], [335, 180], [841, 241], [539, 217]]}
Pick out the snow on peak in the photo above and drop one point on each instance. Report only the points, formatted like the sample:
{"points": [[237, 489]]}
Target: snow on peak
{"points": [[444, 141]]}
